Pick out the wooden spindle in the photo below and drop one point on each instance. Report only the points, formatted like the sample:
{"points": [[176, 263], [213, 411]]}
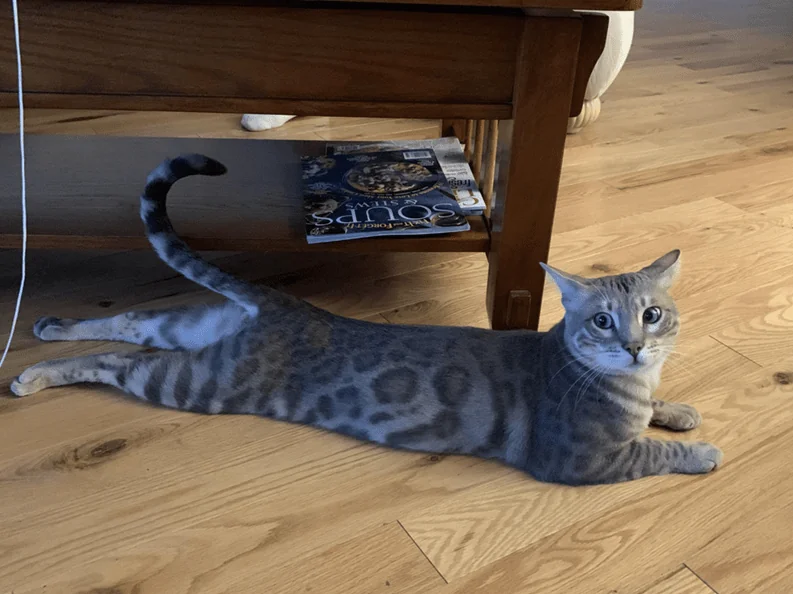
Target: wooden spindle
{"points": [[490, 165], [479, 148], [469, 139]]}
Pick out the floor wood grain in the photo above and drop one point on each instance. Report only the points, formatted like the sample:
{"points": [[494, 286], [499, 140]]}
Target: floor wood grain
{"points": [[680, 582], [694, 150]]}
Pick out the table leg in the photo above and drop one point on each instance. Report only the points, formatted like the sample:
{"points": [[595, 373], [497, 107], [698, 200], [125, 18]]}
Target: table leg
{"points": [[531, 147], [454, 128]]}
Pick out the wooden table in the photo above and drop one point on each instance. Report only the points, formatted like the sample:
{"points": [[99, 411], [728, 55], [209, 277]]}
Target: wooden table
{"points": [[523, 63]]}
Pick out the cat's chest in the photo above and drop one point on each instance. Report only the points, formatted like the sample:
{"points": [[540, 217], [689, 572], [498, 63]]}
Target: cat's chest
{"points": [[630, 407]]}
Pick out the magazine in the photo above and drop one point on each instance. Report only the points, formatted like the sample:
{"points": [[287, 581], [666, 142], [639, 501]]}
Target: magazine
{"points": [[370, 195], [450, 155]]}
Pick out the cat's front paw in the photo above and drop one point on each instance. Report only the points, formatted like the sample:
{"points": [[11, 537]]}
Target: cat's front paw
{"points": [[32, 380], [676, 416], [703, 457], [50, 328]]}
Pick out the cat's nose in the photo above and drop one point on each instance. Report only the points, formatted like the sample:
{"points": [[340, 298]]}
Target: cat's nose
{"points": [[634, 348]]}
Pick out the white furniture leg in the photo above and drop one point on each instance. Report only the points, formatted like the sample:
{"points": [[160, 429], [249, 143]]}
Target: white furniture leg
{"points": [[618, 44], [589, 113]]}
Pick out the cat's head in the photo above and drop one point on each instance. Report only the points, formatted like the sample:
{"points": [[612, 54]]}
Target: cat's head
{"points": [[621, 324]]}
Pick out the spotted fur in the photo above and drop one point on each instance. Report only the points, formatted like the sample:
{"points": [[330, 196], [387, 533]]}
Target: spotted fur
{"points": [[567, 406]]}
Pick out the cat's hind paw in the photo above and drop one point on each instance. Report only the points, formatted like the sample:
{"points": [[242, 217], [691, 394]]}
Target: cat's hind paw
{"points": [[50, 328], [30, 381]]}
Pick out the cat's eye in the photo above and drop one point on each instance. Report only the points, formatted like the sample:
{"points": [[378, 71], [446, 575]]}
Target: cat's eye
{"points": [[651, 315], [603, 321]]}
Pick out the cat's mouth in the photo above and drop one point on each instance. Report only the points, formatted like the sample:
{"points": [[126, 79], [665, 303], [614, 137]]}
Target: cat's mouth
{"points": [[627, 366], [641, 363]]}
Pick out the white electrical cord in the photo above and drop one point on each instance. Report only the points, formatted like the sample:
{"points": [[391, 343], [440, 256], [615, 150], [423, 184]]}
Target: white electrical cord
{"points": [[24, 188]]}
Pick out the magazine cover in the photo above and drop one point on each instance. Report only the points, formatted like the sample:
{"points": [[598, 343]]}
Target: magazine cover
{"points": [[449, 153], [371, 195]]}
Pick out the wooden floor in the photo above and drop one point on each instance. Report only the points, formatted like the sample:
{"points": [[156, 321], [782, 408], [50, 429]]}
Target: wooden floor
{"points": [[694, 150]]}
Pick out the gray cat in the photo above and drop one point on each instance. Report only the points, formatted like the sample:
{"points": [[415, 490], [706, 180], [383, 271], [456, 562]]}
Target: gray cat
{"points": [[567, 406]]}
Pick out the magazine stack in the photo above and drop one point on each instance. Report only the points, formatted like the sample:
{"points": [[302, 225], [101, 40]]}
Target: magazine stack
{"points": [[394, 188]]}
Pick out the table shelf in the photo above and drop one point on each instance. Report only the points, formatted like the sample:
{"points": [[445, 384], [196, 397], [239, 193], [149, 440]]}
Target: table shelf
{"points": [[83, 194]]}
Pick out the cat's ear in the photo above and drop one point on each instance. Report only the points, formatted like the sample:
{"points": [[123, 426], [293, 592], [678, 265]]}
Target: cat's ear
{"points": [[573, 288], [665, 269]]}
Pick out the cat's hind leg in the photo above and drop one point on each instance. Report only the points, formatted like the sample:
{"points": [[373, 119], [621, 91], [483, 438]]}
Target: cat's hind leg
{"points": [[113, 369], [214, 380], [206, 381], [188, 328], [675, 416], [171, 379]]}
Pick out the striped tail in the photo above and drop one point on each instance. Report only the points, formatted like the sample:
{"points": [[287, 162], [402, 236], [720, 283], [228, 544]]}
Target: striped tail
{"points": [[175, 252]]}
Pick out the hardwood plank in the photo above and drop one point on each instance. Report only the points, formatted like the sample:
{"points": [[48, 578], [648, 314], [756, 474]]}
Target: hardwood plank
{"points": [[402, 290], [589, 242], [763, 127], [764, 338], [382, 559], [702, 266], [763, 197], [699, 365], [586, 203], [465, 307], [753, 555], [645, 156], [164, 496], [734, 303], [757, 180], [781, 214], [683, 581], [720, 162]]}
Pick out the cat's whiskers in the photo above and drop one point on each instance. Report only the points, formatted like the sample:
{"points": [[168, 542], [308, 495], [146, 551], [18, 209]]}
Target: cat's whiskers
{"points": [[678, 364], [677, 359], [669, 350], [597, 372], [582, 376], [565, 366], [600, 382], [674, 351], [666, 350]]}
